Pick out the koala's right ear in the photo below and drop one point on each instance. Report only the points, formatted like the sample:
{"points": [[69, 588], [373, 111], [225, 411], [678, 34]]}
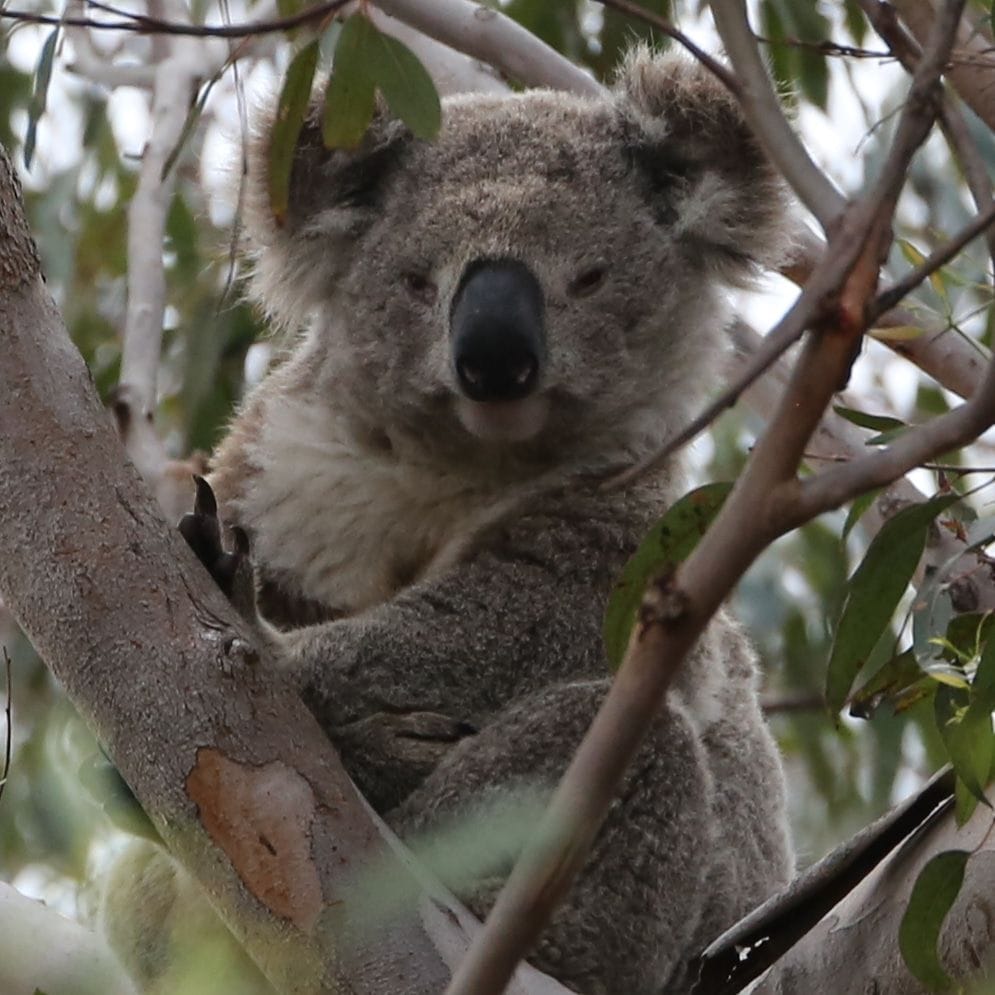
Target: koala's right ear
{"points": [[709, 179], [334, 196]]}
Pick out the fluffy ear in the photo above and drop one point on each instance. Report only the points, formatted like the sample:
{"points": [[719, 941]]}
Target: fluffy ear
{"points": [[709, 178], [334, 196]]}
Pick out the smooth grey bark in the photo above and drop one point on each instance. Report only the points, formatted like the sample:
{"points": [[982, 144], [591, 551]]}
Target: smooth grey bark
{"points": [[854, 950], [235, 773]]}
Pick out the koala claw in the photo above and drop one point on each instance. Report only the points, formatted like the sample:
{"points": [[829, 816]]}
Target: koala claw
{"points": [[232, 571]]}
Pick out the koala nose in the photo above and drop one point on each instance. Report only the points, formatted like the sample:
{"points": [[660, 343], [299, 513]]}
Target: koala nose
{"points": [[496, 328]]}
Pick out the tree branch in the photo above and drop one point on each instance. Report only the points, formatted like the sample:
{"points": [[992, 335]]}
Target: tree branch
{"points": [[677, 607], [487, 34], [889, 297], [763, 111], [215, 770]]}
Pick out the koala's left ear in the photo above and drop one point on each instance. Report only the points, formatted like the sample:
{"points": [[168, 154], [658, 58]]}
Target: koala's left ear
{"points": [[708, 177], [334, 196]]}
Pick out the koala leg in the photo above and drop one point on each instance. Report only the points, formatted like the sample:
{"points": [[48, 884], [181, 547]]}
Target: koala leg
{"points": [[630, 921]]}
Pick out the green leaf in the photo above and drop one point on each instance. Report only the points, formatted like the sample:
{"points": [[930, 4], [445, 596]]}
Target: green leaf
{"points": [[190, 123], [967, 734], [879, 423], [932, 897], [43, 76], [290, 111], [914, 257], [857, 509], [406, 85], [366, 59], [898, 675], [668, 543], [856, 24], [351, 95], [874, 590]]}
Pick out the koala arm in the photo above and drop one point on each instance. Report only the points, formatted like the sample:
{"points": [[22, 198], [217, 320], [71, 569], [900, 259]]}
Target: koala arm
{"points": [[396, 686]]}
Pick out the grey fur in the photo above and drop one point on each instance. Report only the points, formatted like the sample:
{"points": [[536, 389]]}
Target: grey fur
{"points": [[467, 578]]}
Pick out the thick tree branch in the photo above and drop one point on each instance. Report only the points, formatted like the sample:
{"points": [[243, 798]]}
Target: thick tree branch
{"points": [[486, 34], [224, 760]]}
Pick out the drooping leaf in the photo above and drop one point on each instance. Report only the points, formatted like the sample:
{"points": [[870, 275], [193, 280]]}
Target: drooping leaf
{"points": [[290, 111], [351, 95], [856, 23], [366, 59], [857, 508], [897, 676], [668, 543], [874, 590], [967, 735], [915, 257], [933, 895], [405, 84], [39, 98], [190, 124], [879, 423]]}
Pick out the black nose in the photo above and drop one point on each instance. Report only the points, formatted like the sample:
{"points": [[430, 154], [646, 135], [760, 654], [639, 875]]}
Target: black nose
{"points": [[496, 327]]}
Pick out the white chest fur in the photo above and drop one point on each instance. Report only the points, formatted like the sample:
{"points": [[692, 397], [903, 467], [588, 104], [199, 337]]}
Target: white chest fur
{"points": [[351, 523]]}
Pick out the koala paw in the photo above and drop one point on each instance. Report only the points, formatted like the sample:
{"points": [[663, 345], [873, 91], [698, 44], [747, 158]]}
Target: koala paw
{"points": [[232, 571]]}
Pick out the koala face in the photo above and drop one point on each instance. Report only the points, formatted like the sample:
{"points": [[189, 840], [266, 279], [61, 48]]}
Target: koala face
{"points": [[545, 275]]}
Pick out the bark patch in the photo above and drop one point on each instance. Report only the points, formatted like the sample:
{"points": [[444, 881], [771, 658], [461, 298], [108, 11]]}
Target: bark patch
{"points": [[261, 817]]}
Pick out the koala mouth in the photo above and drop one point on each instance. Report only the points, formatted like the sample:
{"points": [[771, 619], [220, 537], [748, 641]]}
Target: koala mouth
{"points": [[504, 421]]}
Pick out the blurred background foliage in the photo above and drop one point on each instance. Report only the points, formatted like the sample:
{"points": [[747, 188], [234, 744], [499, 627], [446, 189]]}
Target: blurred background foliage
{"points": [[843, 771]]}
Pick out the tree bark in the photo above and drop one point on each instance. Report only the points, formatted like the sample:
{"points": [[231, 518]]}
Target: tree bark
{"points": [[233, 770], [857, 943]]}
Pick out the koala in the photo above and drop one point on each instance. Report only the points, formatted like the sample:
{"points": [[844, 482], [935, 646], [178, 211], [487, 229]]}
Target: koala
{"points": [[486, 326]]}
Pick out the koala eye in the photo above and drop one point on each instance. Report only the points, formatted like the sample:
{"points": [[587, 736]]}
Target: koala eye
{"points": [[420, 286], [588, 280]]}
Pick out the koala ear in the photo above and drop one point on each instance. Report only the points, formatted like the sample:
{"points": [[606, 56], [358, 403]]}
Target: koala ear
{"points": [[709, 180], [334, 196]]}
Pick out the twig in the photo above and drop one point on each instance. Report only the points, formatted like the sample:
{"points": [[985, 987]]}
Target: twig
{"points": [[906, 50], [888, 298], [665, 27], [8, 738], [763, 111], [142, 24], [943, 434], [785, 334], [973, 81], [790, 704], [98, 67]]}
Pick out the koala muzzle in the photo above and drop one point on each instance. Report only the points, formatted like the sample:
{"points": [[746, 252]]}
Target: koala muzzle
{"points": [[496, 331]]}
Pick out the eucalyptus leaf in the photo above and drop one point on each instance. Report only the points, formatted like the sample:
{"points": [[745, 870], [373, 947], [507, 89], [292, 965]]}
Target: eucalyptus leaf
{"points": [[895, 677], [879, 423], [290, 111], [39, 98], [933, 895], [967, 734], [668, 543], [874, 590], [366, 60], [405, 84], [857, 509], [350, 99]]}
